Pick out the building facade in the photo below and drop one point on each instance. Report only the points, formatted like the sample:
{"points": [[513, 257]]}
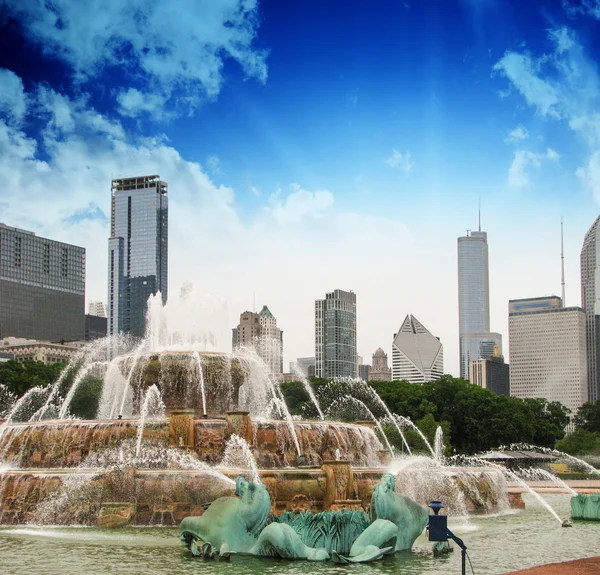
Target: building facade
{"points": [[260, 331], [42, 287], [475, 339], [304, 365], [417, 355], [547, 346], [335, 335], [364, 370], [97, 308], [491, 373], [379, 370], [95, 327], [23, 349], [137, 251], [590, 301]]}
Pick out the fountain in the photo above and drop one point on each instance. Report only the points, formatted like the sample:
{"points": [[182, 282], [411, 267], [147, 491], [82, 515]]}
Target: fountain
{"points": [[179, 421]]}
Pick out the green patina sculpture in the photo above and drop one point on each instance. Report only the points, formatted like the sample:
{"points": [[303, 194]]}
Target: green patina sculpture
{"points": [[242, 525], [586, 507]]}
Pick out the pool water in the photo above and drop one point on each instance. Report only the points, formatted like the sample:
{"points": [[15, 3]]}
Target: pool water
{"points": [[496, 545]]}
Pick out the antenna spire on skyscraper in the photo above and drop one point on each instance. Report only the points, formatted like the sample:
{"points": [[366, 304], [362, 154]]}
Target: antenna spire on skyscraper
{"points": [[562, 263], [479, 212]]}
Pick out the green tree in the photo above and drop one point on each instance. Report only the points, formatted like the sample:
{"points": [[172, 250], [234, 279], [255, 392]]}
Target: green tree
{"points": [[588, 416], [19, 377], [580, 442]]}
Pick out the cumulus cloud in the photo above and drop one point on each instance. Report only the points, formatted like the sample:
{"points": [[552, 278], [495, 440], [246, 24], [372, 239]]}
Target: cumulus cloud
{"points": [[563, 85], [296, 247], [298, 204], [174, 50], [132, 103], [400, 161], [12, 96], [517, 135], [523, 161]]}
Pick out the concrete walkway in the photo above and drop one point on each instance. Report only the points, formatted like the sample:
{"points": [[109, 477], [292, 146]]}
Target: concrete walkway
{"points": [[589, 566]]}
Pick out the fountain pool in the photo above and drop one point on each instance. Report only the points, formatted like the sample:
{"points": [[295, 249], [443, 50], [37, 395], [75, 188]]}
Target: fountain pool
{"points": [[497, 545]]}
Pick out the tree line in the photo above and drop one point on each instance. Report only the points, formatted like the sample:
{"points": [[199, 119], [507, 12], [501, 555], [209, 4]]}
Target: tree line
{"points": [[473, 419]]}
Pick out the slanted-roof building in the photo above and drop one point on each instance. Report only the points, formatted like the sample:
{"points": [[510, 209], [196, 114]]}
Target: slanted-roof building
{"points": [[417, 355]]}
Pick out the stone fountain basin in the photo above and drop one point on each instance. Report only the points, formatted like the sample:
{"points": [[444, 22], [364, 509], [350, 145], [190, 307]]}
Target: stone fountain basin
{"points": [[66, 443]]}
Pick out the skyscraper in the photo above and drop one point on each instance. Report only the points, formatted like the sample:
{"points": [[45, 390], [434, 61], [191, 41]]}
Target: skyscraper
{"points": [[335, 335], [42, 287], [590, 301], [137, 251], [475, 339], [548, 351], [417, 355], [260, 331]]}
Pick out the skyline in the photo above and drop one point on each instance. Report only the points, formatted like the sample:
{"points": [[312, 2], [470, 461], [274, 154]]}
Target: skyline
{"points": [[298, 159]]}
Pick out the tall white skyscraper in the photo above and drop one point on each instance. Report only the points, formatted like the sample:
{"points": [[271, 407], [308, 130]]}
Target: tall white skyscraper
{"points": [[335, 335], [417, 355], [475, 339], [548, 351], [590, 301], [137, 251]]}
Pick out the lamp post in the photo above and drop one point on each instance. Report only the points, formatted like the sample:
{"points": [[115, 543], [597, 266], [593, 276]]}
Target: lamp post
{"points": [[438, 530]]}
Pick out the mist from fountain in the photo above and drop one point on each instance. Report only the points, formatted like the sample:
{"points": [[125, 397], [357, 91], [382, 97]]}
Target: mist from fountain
{"points": [[536, 473], [238, 455], [354, 403], [438, 444], [198, 362], [261, 389], [308, 388], [152, 407], [512, 475]]}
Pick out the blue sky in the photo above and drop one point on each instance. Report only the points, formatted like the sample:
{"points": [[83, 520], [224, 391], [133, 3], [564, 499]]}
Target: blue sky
{"points": [[313, 145]]}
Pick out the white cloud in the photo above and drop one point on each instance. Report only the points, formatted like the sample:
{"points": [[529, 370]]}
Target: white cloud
{"points": [[173, 49], [562, 85], [401, 161], [584, 7], [132, 103], [523, 161], [590, 175], [213, 163], [523, 72], [517, 135], [297, 246], [298, 205], [12, 97]]}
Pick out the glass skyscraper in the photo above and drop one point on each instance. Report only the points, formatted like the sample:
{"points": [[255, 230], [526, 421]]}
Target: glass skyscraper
{"points": [[42, 287], [137, 251], [335, 335], [590, 301], [475, 339]]}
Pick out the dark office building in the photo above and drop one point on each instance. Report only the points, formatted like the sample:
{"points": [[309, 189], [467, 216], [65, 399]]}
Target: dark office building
{"points": [[42, 287], [363, 372], [137, 251], [95, 327], [491, 373]]}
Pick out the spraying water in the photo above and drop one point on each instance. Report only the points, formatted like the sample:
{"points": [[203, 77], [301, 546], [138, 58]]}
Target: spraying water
{"points": [[352, 402], [151, 406], [307, 388], [438, 444], [239, 455]]}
